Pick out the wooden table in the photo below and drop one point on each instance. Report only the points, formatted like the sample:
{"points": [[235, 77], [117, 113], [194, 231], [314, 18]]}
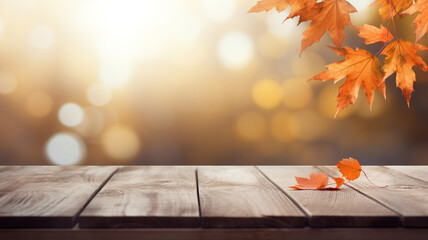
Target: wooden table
{"points": [[208, 202]]}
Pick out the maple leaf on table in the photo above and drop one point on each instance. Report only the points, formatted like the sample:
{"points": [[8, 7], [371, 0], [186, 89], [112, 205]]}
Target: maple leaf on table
{"points": [[331, 15], [372, 34], [360, 68], [315, 181], [401, 56], [350, 168], [421, 21], [397, 5]]}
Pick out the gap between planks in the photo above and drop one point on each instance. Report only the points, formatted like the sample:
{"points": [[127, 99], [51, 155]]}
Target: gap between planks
{"points": [[76, 222]]}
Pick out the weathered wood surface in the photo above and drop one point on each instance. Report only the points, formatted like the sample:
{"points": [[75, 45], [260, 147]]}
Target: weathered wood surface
{"points": [[405, 195], [218, 234], [419, 172], [242, 197], [145, 197], [331, 208], [47, 196]]}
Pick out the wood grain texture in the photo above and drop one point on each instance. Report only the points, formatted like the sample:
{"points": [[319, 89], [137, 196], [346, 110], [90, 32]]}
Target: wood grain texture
{"points": [[419, 172], [405, 195], [47, 196], [218, 234], [158, 196], [242, 197], [344, 207]]}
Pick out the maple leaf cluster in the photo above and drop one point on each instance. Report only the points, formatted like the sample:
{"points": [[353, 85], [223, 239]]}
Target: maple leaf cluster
{"points": [[360, 67], [349, 167]]}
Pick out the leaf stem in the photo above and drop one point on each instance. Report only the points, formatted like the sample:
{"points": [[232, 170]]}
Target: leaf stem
{"points": [[372, 182], [386, 40], [392, 18]]}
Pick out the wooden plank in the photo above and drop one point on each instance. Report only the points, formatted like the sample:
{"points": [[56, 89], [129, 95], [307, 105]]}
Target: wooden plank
{"points": [[159, 196], [405, 195], [218, 234], [47, 196], [243, 197], [419, 172], [339, 208]]}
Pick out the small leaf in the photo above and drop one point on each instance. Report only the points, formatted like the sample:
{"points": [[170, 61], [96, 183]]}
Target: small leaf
{"points": [[315, 181], [372, 34], [350, 168]]}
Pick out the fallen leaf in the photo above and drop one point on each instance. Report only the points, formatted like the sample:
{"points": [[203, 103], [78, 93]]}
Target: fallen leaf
{"points": [[350, 168], [372, 34], [331, 15], [401, 56], [397, 5], [339, 182], [421, 21], [315, 181], [360, 68]]}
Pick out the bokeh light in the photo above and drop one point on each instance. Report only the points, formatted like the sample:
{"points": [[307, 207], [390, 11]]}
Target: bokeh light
{"points": [[297, 93], [42, 37], [65, 149], [38, 104], [121, 142], [98, 94], [7, 83], [93, 122], [251, 126], [70, 114], [267, 94], [235, 50]]}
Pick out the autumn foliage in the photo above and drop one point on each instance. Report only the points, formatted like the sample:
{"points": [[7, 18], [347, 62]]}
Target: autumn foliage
{"points": [[360, 67], [350, 169]]}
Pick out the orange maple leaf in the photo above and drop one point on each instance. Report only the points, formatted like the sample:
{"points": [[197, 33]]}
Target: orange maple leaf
{"points": [[372, 34], [360, 68], [315, 181], [350, 168], [421, 21], [401, 56], [391, 7], [331, 15], [267, 5], [281, 5]]}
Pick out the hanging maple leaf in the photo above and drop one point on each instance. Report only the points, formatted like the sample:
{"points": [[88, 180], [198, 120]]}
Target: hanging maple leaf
{"points": [[391, 7], [372, 34], [360, 68], [421, 21], [401, 56], [281, 5], [350, 168], [315, 181], [331, 15], [267, 5]]}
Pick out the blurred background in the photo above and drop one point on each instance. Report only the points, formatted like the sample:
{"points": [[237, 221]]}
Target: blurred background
{"points": [[188, 82]]}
